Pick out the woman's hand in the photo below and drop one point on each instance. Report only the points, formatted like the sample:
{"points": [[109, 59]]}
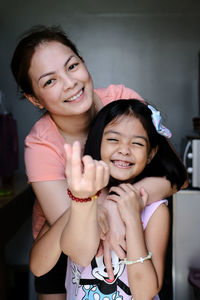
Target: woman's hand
{"points": [[114, 237], [85, 176], [116, 234], [103, 221], [130, 201], [105, 250]]}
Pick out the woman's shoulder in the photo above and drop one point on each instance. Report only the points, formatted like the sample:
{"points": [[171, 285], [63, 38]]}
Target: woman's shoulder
{"points": [[43, 130], [115, 92], [41, 126], [44, 152]]}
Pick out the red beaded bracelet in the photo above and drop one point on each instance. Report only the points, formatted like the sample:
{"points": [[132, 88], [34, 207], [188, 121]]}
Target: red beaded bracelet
{"points": [[82, 199]]}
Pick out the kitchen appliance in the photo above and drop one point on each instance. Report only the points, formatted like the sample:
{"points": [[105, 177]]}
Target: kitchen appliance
{"points": [[191, 157], [191, 160]]}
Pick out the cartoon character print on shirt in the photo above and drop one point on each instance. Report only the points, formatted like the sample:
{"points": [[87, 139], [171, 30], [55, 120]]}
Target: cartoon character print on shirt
{"points": [[100, 287]]}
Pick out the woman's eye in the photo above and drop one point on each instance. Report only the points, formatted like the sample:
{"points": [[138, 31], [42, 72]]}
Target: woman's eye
{"points": [[73, 66], [50, 81]]}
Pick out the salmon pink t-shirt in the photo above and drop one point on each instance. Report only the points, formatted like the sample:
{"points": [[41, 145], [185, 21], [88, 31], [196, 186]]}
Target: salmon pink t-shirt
{"points": [[44, 151]]}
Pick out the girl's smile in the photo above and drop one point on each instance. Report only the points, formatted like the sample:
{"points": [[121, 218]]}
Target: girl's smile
{"points": [[125, 147], [122, 164]]}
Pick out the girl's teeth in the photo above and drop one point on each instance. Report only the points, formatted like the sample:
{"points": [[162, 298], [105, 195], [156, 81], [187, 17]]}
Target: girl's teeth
{"points": [[76, 96], [121, 163]]}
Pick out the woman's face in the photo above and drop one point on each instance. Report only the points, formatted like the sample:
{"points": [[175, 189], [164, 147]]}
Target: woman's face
{"points": [[60, 80], [125, 148]]}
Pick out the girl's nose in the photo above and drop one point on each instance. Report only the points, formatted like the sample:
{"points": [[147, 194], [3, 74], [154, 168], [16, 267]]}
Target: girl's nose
{"points": [[124, 150]]}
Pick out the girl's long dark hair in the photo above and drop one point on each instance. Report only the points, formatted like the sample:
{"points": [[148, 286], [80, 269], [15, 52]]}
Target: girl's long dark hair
{"points": [[165, 163]]}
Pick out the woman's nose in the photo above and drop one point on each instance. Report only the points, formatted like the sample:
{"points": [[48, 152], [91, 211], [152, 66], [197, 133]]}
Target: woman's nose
{"points": [[69, 82]]}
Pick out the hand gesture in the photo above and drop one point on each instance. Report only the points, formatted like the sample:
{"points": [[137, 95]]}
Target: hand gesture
{"points": [[130, 201], [85, 176]]}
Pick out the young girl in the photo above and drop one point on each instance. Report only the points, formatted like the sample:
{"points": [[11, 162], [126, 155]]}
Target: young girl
{"points": [[129, 138]]}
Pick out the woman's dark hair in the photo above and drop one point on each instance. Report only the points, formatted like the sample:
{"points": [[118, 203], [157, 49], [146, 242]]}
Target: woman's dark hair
{"points": [[165, 163], [25, 49]]}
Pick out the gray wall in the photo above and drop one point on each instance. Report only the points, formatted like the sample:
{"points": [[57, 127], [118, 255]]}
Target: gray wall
{"points": [[150, 46], [186, 246]]}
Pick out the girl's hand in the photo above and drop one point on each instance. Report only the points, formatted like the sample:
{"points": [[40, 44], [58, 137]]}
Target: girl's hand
{"points": [[130, 201], [85, 176]]}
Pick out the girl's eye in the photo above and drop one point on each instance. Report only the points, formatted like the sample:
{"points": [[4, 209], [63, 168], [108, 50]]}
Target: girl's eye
{"points": [[50, 81], [73, 66], [138, 144], [112, 140]]}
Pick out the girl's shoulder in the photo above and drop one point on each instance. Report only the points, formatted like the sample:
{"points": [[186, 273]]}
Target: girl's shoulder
{"points": [[149, 210]]}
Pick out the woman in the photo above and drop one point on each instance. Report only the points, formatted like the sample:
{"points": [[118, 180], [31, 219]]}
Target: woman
{"points": [[52, 76]]}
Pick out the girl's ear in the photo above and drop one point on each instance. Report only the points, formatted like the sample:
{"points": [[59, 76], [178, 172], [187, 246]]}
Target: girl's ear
{"points": [[152, 154], [34, 101]]}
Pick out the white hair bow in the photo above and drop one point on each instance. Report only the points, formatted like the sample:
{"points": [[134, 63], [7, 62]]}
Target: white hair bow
{"points": [[156, 119]]}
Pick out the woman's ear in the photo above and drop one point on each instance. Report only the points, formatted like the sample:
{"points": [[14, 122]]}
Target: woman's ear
{"points": [[82, 59], [34, 101], [152, 154]]}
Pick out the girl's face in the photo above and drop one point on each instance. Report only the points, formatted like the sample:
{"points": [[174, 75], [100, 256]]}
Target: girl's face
{"points": [[125, 148], [60, 80]]}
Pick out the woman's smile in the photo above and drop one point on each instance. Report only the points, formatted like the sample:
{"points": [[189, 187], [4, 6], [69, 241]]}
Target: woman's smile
{"points": [[75, 97]]}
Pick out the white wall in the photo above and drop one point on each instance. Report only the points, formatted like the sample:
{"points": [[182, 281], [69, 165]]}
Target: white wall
{"points": [[150, 46]]}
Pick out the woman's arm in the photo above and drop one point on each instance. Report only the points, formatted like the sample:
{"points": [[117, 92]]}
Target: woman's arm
{"points": [[52, 197], [156, 187], [145, 279], [46, 250]]}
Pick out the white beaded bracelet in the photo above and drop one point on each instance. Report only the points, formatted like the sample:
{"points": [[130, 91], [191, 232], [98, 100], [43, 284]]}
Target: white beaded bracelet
{"points": [[131, 262]]}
